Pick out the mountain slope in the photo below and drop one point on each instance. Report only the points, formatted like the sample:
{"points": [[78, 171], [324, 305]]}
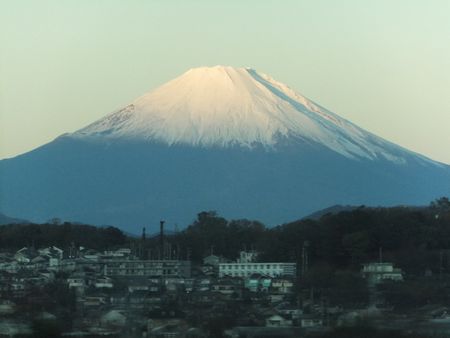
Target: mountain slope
{"points": [[218, 138], [223, 106], [10, 220]]}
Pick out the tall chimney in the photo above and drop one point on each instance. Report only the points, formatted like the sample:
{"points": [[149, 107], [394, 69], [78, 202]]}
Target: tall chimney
{"points": [[161, 238], [143, 245]]}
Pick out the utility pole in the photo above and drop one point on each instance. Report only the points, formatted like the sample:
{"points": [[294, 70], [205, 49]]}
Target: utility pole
{"points": [[188, 254], [305, 259]]}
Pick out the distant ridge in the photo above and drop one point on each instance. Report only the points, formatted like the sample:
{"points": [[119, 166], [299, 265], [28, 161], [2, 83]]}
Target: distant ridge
{"points": [[335, 209], [4, 220]]}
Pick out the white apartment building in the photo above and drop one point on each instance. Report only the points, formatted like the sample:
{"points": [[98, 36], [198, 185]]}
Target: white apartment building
{"points": [[247, 269], [246, 266]]}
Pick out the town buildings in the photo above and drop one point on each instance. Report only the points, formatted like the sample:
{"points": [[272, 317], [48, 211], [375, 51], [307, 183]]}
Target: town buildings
{"points": [[115, 292]]}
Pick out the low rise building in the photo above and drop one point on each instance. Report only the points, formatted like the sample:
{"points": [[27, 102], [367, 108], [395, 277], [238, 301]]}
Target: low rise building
{"points": [[227, 286], [258, 283], [104, 282], [212, 260], [289, 311], [282, 285], [311, 321], [25, 255], [278, 321], [376, 273]]}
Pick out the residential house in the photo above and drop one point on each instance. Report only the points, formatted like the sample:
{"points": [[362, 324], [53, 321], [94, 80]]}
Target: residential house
{"points": [[138, 284], [95, 300], [113, 319], [77, 281], [311, 321], [103, 282], [212, 260], [282, 285], [25, 255], [258, 283], [203, 284], [289, 311], [227, 286], [52, 251], [278, 321]]}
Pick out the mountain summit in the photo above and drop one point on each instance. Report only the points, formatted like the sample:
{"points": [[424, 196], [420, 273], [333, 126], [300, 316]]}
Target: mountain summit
{"points": [[216, 138], [226, 106]]}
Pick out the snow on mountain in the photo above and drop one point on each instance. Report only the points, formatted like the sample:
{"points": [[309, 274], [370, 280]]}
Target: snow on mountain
{"points": [[226, 139], [226, 106]]}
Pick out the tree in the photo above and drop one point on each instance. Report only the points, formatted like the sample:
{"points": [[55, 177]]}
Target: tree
{"points": [[45, 328], [356, 244], [442, 204]]}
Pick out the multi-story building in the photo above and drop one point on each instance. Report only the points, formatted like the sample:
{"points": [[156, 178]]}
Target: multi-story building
{"points": [[147, 268], [267, 268], [246, 266]]}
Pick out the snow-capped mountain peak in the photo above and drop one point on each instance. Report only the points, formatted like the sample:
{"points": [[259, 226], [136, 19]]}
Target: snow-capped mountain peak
{"points": [[216, 138], [227, 106]]}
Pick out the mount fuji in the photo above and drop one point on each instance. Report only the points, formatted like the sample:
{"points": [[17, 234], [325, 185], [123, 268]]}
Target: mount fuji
{"points": [[215, 138]]}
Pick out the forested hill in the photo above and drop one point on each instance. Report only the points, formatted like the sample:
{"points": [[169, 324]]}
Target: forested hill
{"points": [[16, 236], [413, 238]]}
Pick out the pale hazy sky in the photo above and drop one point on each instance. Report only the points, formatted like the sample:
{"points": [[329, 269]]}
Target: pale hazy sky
{"points": [[384, 65]]}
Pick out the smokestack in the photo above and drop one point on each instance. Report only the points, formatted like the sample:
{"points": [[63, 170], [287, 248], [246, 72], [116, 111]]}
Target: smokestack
{"points": [[142, 246], [161, 238]]}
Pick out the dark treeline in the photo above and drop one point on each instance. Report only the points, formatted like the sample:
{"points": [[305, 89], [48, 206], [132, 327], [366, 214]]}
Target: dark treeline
{"points": [[414, 238], [16, 236]]}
